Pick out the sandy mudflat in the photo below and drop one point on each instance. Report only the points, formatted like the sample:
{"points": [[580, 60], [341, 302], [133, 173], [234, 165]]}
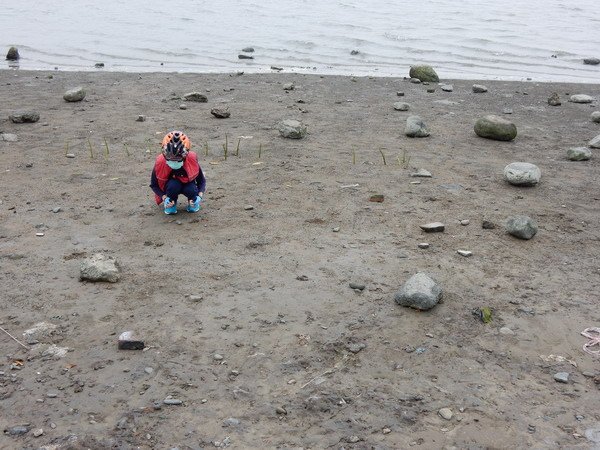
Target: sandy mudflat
{"points": [[274, 280]]}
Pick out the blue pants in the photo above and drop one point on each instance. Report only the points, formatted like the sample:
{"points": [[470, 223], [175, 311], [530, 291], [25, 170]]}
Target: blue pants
{"points": [[175, 187]]}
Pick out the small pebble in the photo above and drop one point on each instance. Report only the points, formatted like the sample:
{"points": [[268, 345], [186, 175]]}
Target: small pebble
{"points": [[465, 222], [433, 227], [336, 229], [183, 106], [218, 357], [172, 401], [400, 94], [281, 411], [507, 111], [52, 395], [38, 432], [423, 245], [292, 381], [386, 431], [506, 331], [149, 370], [39, 234], [464, 253], [141, 118], [196, 298], [561, 377], [70, 155], [357, 286], [248, 207]]}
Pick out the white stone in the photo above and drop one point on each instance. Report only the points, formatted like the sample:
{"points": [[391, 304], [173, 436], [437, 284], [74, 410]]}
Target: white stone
{"points": [[447, 88], [445, 413], [581, 98], [465, 253], [522, 174]]}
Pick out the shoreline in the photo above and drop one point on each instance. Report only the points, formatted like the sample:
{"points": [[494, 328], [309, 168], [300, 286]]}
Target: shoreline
{"points": [[308, 72], [246, 308]]}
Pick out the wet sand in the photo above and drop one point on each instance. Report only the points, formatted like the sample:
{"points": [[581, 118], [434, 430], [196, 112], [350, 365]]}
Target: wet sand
{"points": [[274, 280]]}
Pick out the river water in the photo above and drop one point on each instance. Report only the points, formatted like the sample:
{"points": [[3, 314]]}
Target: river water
{"points": [[545, 40]]}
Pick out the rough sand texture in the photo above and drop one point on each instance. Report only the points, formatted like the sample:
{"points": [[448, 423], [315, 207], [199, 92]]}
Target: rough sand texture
{"points": [[274, 280]]}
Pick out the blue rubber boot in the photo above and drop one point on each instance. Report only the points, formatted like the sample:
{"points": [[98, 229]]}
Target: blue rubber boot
{"points": [[194, 207], [172, 209]]}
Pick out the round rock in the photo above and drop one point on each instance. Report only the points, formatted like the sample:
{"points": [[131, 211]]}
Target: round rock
{"points": [[424, 72], [579, 154], [419, 292], [523, 227], [581, 98], [401, 106], [74, 95], [292, 129], [415, 127], [496, 128], [522, 174], [595, 116]]}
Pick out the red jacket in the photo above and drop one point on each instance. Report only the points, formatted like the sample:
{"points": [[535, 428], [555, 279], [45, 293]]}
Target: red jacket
{"points": [[163, 171]]}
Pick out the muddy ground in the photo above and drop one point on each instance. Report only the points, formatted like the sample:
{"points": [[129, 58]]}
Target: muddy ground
{"points": [[274, 280]]}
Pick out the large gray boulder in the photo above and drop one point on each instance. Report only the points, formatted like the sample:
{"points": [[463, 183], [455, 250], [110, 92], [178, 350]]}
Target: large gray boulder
{"points": [[415, 127], [579, 154], [495, 127], [99, 267], [523, 227], [522, 174], [424, 73], [595, 143], [291, 129], [74, 95], [24, 117], [419, 292], [13, 54]]}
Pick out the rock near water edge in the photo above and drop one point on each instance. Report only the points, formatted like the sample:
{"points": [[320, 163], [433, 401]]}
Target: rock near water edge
{"points": [[424, 72]]}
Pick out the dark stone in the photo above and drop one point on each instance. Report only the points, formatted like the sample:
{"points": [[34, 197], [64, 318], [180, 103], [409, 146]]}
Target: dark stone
{"points": [[99, 65], [589, 61], [245, 57], [354, 52], [195, 97], [24, 117], [17, 430], [13, 54], [220, 113], [248, 49], [487, 225]]}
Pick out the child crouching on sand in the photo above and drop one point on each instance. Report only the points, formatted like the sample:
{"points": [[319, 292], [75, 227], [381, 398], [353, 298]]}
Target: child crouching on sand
{"points": [[177, 172]]}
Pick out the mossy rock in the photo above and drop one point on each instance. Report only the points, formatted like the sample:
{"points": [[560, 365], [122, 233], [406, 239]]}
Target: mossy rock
{"points": [[424, 73]]}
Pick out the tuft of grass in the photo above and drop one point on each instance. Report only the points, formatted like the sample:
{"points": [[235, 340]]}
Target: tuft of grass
{"points": [[353, 157], [91, 149], [404, 162], [127, 150], [383, 157], [206, 150], [225, 147], [259, 151], [66, 148], [106, 151], [237, 148]]}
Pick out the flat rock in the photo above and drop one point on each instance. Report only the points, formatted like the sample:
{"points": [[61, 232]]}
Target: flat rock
{"points": [[248, 49], [195, 97], [561, 377], [419, 292], [415, 127], [172, 401], [522, 174], [292, 129], [496, 128], [595, 143], [581, 98], [424, 72], [24, 117], [9, 137], [74, 95], [579, 154], [433, 227], [357, 286], [99, 267], [465, 253], [289, 87], [220, 113], [554, 99], [506, 331], [231, 422], [445, 413], [241, 56], [589, 61], [421, 173], [423, 245], [17, 430], [447, 88], [595, 116], [401, 106], [415, 81], [39, 331], [523, 227], [479, 88]]}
